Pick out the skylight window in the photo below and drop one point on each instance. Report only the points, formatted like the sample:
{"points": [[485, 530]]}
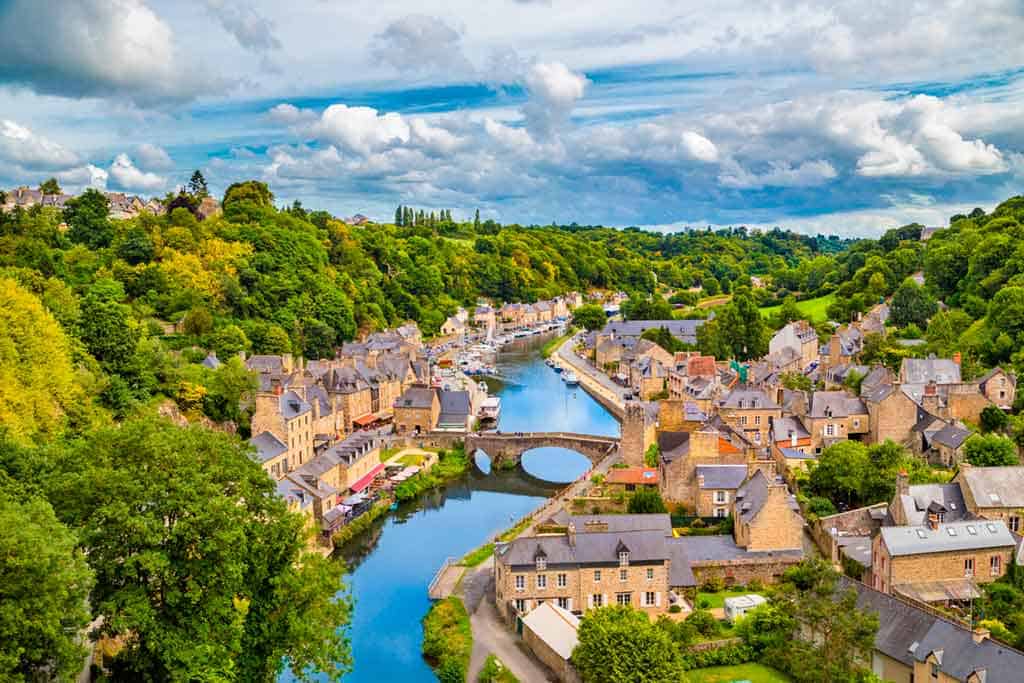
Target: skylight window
{"points": [[972, 530], [991, 528], [921, 533], [951, 531], [994, 497]]}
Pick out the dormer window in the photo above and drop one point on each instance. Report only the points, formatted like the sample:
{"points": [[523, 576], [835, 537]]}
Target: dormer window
{"points": [[542, 563], [623, 558]]}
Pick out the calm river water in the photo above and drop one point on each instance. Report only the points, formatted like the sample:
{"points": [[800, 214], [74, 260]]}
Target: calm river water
{"points": [[391, 565]]}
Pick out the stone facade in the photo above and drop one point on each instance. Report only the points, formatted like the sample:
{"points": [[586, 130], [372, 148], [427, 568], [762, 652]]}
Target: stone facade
{"points": [[295, 432], [634, 434], [891, 416], [743, 571], [888, 571], [776, 527]]}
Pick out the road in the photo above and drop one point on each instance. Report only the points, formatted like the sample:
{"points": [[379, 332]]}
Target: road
{"points": [[594, 379]]}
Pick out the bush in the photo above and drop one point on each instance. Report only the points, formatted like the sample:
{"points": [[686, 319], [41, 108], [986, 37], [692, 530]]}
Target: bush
{"points": [[714, 584], [675, 609], [704, 603], [646, 501], [448, 640], [730, 655], [704, 622]]}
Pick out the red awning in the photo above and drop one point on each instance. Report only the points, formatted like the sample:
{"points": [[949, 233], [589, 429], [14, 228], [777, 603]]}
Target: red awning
{"points": [[365, 481], [365, 420]]}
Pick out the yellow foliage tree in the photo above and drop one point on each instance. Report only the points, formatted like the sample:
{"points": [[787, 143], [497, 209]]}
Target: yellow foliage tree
{"points": [[37, 378]]}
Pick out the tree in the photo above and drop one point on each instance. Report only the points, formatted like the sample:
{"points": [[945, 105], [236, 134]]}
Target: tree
{"points": [[206, 573], [663, 338], [912, 305], [197, 321], [652, 456], [737, 332], [44, 583], [797, 381], [789, 312], [249, 191], [621, 645], [646, 501], [398, 216], [990, 450], [590, 317], [88, 221], [812, 629], [197, 185], [108, 331], [639, 307], [229, 341], [993, 419], [50, 186], [476, 221]]}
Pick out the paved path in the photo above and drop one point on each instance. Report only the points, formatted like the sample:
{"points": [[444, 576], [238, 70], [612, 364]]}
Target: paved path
{"points": [[595, 380], [492, 636]]}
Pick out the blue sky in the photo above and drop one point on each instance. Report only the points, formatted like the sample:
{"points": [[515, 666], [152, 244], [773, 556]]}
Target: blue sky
{"points": [[847, 117]]}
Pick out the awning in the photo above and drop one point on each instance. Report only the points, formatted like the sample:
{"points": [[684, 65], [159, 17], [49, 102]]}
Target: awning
{"points": [[365, 481], [365, 420]]}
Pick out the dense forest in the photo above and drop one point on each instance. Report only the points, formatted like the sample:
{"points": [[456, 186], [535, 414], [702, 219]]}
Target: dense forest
{"points": [[102, 321]]}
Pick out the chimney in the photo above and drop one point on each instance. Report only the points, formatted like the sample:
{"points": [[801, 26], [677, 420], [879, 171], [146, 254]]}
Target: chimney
{"points": [[792, 439], [286, 362], [979, 634], [275, 386], [957, 358], [933, 521], [571, 533], [931, 389], [902, 483]]}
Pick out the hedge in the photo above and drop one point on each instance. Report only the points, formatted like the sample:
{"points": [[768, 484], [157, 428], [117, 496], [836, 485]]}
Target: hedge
{"points": [[448, 640], [720, 656]]}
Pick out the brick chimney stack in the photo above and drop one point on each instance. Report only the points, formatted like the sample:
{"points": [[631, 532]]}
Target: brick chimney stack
{"points": [[957, 357], [902, 483]]}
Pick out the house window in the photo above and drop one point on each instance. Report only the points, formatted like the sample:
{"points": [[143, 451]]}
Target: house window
{"points": [[721, 497], [757, 419], [624, 599], [935, 671], [520, 605], [520, 582], [969, 566], [561, 580], [856, 423], [743, 419], [542, 580], [995, 564], [597, 600], [720, 513], [542, 564], [623, 574], [624, 558], [830, 429], [1014, 523], [563, 603], [649, 599], [650, 573], [597, 575]]}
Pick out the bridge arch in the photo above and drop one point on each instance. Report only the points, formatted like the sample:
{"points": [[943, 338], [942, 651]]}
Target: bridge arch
{"points": [[506, 449]]}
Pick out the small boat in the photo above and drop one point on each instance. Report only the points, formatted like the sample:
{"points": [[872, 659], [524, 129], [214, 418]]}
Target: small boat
{"points": [[550, 363], [556, 368], [571, 379]]}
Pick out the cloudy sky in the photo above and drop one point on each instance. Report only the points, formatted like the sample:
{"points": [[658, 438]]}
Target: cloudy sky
{"points": [[845, 117]]}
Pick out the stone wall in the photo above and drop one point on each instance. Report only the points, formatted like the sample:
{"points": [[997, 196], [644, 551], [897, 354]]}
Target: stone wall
{"points": [[743, 571], [633, 427]]}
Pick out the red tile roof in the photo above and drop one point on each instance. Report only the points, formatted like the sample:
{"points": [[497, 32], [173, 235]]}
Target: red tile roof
{"points": [[633, 475]]}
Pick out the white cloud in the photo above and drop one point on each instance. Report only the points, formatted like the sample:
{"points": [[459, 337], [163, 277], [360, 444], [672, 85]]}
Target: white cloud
{"points": [[153, 158], [21, 146], [290, 115], [252, 30], [361, 129], [554, 91], [75, 180], [96, 48], [806, 174], [128, 177], [421, 44]]}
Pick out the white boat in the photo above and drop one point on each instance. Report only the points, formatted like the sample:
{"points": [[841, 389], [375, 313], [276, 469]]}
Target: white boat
{"points": [[490, 408], [571, 379]]}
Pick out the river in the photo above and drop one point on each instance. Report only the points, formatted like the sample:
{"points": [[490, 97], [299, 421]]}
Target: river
{"points": [[391, 565]]}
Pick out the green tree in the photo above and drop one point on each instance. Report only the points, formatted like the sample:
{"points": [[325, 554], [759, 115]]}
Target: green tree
{"points": [[639, 307], [789, 312], [229, 341], [663, 338], [249, 191], [993, 419], [198, 321], [912, 305], [197, 185], [590, 317], [44, 583], [109, 331], [990, 450], [737, 332], [652, 456], [50, 186], [797, 381], [646, 501], [621, 645], [275, 341], [203, 570], [87, 216]]}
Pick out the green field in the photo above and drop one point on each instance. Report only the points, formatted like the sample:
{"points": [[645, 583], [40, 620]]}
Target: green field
{"points": [[718, 599], [814, 309], [755, 673]]}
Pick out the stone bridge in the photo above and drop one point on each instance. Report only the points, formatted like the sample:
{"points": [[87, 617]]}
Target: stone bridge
{"points": [[511, 445]]}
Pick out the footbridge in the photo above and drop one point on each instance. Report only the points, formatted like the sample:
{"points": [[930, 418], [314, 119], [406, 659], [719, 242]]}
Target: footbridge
{"points": [[502, 447]]}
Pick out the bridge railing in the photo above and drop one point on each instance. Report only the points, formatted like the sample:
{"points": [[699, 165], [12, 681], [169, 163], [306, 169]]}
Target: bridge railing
{"points": [[546, 435]]}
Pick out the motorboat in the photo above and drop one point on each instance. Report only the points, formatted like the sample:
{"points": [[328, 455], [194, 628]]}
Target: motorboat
{"points": [[490, 409], [571, 379]]}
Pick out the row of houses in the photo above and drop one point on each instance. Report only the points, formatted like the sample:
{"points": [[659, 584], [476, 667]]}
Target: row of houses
{"points": [[122, 205], [510, 316]]}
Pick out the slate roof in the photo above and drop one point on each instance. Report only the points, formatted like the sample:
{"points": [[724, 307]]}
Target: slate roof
{"points": [[415, 397], [211, 361], [685, 330], [949, 537], [680, 574], [293, 405], [920, 496], [784, 428], [722, 548], [952, 435], [878, 393], [748, 398], [673, 445], [924, 370], [624, 523], [722, 476], [995, 486], [589, 548], [265, 363], [752, 497], [909, 634], [835, 404], [267, 446], [455, 404]]}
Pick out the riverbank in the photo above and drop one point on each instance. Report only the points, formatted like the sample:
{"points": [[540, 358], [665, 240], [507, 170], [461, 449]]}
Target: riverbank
{"points": [[596, 384], [551, 345], [451, 464], [448, 640]]}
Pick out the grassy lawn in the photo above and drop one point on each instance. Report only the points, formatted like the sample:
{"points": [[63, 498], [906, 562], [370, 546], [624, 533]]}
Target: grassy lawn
{"points": [[755, 673], [478, 555], [411, 460], [388, 452], [718, 599], [814, 309]]}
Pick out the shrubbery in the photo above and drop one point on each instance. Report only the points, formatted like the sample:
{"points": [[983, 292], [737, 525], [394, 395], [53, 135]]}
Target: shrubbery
{"points": [[448, 640]]}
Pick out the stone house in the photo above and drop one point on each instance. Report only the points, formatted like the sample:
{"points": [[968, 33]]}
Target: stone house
{"points": [[995, 493], [750, 411], [795, 347], [940, 562], [456, 413], [484, 317], [917, 644], [717, 487], [648, 377], [529, 315], [598, 561], [892, 414], [843, 347], [946, 446], [453, 327], [696, 467], [290, 419], [766, 516], [417, 410], [629, 479], [550, 633], [354, 395], [683, 330], [545, 313], [835, 416]]}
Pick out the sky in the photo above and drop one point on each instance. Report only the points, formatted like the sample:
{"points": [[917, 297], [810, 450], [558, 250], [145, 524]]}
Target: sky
{"points": [[846, 117]]}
